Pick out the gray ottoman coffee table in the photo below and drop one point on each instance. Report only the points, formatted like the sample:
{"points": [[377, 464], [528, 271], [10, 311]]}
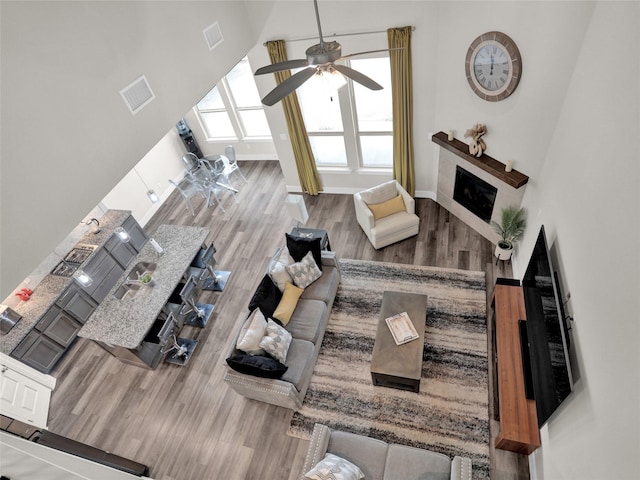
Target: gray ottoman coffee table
{"points": [[399, 366]]}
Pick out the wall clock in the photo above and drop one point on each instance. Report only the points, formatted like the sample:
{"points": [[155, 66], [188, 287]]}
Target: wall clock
{"points": [[493, 66]]}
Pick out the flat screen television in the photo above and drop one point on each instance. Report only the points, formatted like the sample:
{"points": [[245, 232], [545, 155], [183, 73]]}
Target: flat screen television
{"points": [[547, 334]]}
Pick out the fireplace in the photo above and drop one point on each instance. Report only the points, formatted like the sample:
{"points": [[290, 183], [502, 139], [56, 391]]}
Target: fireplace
{"points": [[474, 194]]}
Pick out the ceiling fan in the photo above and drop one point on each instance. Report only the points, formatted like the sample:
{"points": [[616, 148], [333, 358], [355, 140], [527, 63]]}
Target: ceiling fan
{"points": [[320, 60]]}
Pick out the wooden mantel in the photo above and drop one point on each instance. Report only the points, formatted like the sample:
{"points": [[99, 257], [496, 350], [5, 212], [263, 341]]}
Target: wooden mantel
{"points": [[490, 165]]}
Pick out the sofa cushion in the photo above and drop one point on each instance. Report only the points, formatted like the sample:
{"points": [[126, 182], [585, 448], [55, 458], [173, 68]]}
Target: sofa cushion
{"points": [[288, 303], [300, 246], [304, 272], [308, 320], [251, 333], [301, 361], [266, 297], [334, 468], [380, 193], [368, 453], [276, 341], [325, 287], [256, 365], [389, 207], [411, 463], [277, 270]]}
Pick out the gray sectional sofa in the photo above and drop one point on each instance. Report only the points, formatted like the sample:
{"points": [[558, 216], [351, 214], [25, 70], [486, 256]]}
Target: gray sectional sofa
{"points": [[307, 327], [380, 461]]}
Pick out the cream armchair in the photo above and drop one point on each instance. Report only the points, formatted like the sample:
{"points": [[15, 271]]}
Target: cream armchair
{"points": [[383, 217]]}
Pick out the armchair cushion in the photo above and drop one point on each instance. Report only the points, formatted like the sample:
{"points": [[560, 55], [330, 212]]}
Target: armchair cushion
{"points": [[386, 208], [380, 193]]}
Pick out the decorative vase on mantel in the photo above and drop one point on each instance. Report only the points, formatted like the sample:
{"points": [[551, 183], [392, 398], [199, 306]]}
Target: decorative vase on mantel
{"points": [[477, 145]]}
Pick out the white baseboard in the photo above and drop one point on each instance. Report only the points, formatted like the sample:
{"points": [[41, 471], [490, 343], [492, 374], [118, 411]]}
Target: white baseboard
{"points": [[352, 190]]}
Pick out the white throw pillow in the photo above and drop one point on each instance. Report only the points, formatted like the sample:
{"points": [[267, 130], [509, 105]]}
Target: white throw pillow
{"points": [[276, 342], [278, 271], [304, 272], [381, 193], [334, 468], [251, 334]]}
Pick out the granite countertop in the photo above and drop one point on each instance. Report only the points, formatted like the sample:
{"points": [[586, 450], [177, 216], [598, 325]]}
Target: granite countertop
{"points": [[51, 286], [125, 322]]}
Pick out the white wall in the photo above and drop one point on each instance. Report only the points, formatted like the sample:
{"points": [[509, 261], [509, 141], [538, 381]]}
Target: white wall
{"points": [[67, 137], [548, 34], [586, 195]]}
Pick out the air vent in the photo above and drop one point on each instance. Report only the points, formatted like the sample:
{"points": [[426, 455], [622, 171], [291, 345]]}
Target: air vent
{"points": [[137, 94], [213, 35]]}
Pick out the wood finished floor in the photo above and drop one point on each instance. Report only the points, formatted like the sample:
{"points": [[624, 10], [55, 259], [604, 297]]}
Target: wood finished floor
{"points": [[184, 422]]}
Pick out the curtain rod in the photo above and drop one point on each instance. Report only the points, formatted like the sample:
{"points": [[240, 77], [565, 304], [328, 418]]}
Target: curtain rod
{"points": [[306, 39]]}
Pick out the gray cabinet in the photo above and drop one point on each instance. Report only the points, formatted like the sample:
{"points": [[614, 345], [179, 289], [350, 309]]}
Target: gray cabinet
{"points": [[105, 271], [39, 351], [77, 303], [58, 327]]}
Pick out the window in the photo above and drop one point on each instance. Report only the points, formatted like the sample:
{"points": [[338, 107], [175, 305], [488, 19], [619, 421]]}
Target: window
{"points": [[232, 109], [350, 125]]}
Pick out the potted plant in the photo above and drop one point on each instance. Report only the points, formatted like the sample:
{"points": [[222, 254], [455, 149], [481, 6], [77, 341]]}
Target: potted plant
{"points": [[511, 229], [146, 279]]}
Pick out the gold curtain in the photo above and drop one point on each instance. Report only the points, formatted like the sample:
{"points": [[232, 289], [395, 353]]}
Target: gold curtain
{"points": [[402, 94], [305, 163]]}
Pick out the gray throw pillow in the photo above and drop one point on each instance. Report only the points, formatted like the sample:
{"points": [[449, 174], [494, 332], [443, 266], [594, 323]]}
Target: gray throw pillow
{"points": [[304, 272], [335, 468]]}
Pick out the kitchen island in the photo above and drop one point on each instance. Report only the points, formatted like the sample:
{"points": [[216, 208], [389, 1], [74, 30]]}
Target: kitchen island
{"points": [[120, 326]]}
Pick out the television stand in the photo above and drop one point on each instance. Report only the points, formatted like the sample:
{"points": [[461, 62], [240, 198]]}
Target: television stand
{"points": [[518, 419]]}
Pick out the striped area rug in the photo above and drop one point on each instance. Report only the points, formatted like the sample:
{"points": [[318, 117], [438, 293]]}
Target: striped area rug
{"points": [[450, 414]]}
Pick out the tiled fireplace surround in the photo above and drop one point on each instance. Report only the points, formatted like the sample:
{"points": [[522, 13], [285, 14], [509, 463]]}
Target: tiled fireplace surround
{"points": [[510, 185]]}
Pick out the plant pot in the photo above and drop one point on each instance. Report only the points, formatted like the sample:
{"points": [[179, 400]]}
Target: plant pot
{"points": [[503, 251]]}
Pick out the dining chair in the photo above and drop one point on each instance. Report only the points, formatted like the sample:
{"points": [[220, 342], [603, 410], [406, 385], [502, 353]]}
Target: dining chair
{"points": [[201, 269], [232, 163], [188, 189]]}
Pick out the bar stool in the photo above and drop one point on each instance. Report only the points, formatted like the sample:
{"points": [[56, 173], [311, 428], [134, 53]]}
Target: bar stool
{"points": [[202, 270], [183, 305]]}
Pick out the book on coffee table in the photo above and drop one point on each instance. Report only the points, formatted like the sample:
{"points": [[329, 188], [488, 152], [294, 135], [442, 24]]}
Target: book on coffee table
{"points": [[401, 328]]}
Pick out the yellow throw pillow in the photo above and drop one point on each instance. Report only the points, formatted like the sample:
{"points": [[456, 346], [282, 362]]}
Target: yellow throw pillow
{"points": [[288, 303], [384, 209]]}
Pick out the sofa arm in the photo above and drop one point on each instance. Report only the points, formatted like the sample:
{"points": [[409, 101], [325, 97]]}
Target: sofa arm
{"points": [[363, 213], [461, 468], [317, 447], [409, 202], [330, 259]]}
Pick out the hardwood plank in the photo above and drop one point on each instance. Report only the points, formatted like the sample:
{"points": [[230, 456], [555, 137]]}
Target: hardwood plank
{"points": [[184, 422]]}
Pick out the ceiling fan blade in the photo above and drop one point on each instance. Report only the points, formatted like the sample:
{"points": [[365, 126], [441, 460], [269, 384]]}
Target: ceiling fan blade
{"points": [[288, 86], [280, 66], [357, 76], [369, 51]]}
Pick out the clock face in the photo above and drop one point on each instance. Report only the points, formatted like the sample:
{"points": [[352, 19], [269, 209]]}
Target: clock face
{"points": [[493, 66]]}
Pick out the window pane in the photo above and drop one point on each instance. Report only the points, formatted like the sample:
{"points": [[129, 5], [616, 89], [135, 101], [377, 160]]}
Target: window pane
{"points": [[373, 107], [320, 106], [217, 124], [377, 151], [243, 86], [328, 150], [211, 101], [255, 123]]}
